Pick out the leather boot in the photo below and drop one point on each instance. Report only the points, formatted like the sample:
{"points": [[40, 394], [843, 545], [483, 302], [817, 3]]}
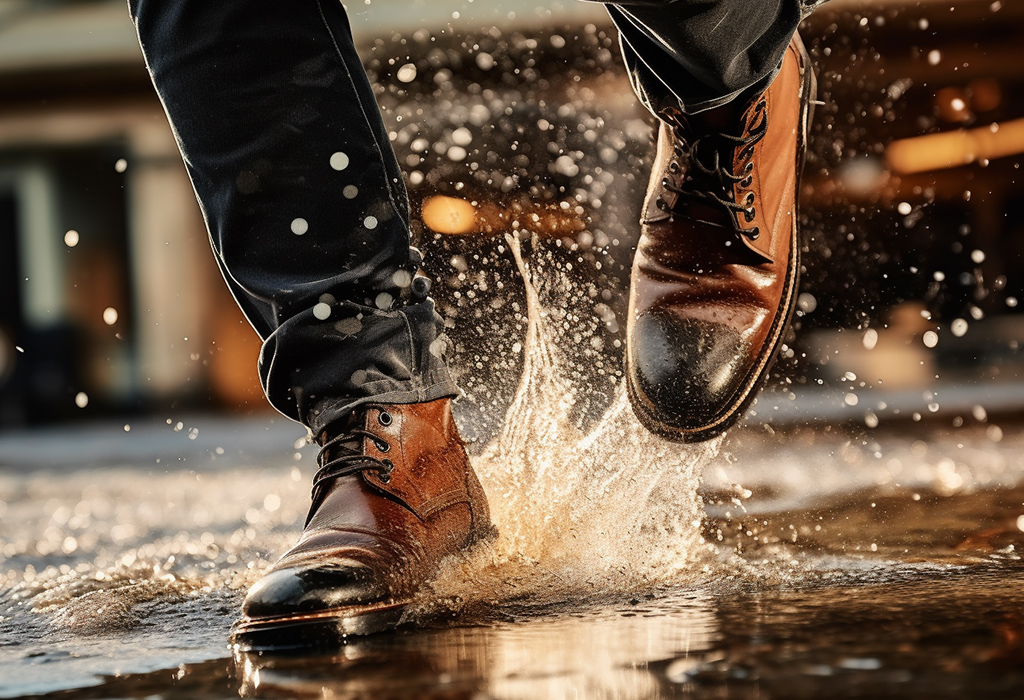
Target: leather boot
{"points": [[394, 495], [715, 272]]}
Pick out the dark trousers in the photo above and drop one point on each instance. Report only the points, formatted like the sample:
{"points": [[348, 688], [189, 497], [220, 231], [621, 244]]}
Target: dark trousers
{"points": [[304, 199]]}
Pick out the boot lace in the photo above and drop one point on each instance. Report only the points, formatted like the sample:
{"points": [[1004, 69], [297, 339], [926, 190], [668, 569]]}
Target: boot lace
{"points": [[343, 456], [704, 170]]}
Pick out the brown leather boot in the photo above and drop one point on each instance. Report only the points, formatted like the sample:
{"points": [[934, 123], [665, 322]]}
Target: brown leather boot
{"points": [[394, 495], [715, 272]]}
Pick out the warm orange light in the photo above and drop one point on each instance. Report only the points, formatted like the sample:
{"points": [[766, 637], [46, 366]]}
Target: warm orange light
{"points": [[955, 148], [449, 215]]}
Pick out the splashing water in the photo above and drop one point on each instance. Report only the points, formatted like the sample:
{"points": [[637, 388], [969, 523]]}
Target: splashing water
{"points": [[586, 510], [581, 515]]}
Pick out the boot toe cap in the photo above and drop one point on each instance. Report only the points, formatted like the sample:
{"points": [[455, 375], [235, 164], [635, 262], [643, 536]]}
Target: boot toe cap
{"points": [[687, 371], [292, 591]]}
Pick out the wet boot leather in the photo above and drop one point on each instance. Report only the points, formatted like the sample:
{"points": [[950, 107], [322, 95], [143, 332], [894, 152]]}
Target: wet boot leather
{"points": [[715, 272], [395, 494]]}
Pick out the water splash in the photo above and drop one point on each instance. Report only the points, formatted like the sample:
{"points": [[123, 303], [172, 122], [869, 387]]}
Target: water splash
{"points": [[582, 514]]}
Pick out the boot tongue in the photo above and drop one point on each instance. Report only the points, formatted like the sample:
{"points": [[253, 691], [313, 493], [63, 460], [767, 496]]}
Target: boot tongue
{"points": [[727, 119], [356, 419]]}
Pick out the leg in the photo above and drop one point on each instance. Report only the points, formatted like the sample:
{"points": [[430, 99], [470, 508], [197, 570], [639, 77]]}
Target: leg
{"points": [[715, 273], [302, 196], [699, 54], [308, 217]]}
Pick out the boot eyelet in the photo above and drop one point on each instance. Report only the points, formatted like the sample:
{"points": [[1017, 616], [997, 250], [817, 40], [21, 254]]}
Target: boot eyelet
{"points": [[745, 182], [750, 198], [385, 474], [748, 214], [385, 418], [383, 446], [748, 167]]}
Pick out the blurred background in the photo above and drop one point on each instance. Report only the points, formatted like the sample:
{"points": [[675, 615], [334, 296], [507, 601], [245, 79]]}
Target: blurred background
{"points": [[912, 201]]}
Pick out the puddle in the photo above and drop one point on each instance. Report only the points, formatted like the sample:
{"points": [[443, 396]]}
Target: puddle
{"points": [[791, 564]]}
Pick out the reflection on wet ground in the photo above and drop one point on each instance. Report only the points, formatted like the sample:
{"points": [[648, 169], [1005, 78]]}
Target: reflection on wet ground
{"points": [[818, 579], [905, 633]]}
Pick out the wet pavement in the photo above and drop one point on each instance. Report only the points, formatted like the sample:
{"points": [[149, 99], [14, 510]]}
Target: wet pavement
{"points": [[839, 562]]}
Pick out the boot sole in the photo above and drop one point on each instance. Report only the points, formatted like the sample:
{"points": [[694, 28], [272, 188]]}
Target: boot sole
{"points": [[759, 375], [330, 628], [325, 628]]}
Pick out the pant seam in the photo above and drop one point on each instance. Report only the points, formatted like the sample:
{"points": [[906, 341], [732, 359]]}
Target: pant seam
{"points": [[362, 108]]}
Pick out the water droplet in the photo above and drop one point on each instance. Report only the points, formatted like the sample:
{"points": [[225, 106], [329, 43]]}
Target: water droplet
{"points": [[565, 165], [348, 326], [299, 226], [121, 165], [110, 315], [870, 339], [71, 238], [359, 376], [339, 161], [407, 73], [934, 56], [439, 346], [350, 192], [484, 61], [327, 299], [462, 136], [193, 433], [271, 502], [322, 311], [930, 339], [958, 327], [81, 399], [904, 208], [457, 154], [806, 302], [851, 399], [977, 256], [401, 278], [370, 222], [384, 301]]}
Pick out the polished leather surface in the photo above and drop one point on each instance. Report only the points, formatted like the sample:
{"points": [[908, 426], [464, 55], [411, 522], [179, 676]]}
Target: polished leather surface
{"points": [[373, 539], [708, 302]]}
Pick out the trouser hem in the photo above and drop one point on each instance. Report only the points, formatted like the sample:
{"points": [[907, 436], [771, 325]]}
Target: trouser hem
{"points": [[331, 410]]}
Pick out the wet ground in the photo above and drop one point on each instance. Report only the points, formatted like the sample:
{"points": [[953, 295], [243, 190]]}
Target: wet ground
{"points": [[829, 562]]}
